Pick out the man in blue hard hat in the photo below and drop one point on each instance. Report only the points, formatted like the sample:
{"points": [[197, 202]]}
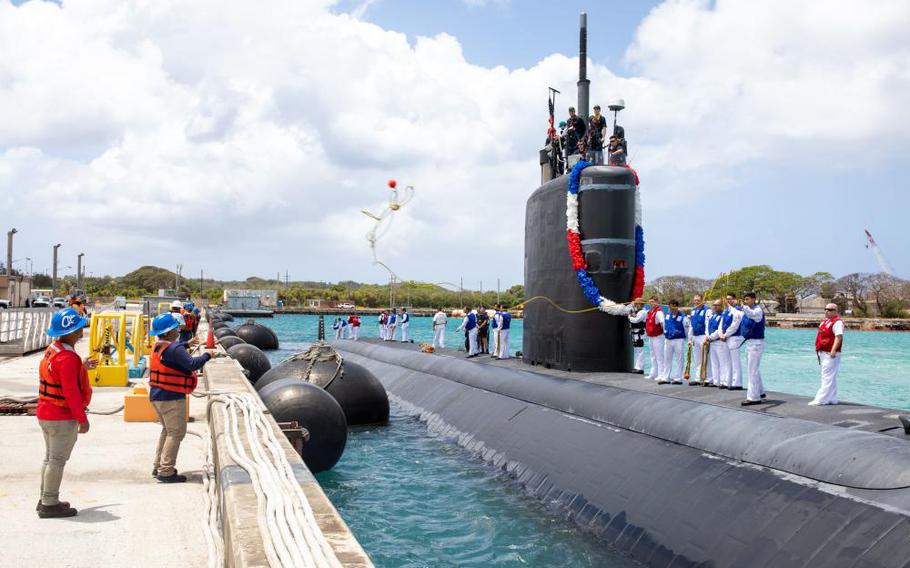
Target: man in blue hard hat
{"points": [[188, 331], [172, 376], [64, 393]]}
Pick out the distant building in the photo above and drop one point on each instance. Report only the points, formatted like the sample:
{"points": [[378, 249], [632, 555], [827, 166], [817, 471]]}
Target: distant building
{"points": [[314, 302], [250, 299], [16, 289]]}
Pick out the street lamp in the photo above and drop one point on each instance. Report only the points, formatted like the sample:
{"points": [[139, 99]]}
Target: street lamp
{"points": [[79, 270], [54, 277], [9, 251]]}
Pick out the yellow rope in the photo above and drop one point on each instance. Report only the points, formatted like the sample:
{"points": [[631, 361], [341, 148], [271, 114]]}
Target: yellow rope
{"points": [[555, 305]]}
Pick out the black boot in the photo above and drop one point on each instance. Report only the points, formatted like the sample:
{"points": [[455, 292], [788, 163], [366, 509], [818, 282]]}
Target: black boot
{"points": [[58, 511]]}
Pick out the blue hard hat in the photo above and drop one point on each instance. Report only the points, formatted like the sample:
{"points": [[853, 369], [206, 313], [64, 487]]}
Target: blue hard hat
{"points": [[163, 324], [188, 306], [195, 310], [66, 321]]}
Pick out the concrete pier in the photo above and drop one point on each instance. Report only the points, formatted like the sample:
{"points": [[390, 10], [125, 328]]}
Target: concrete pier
{"points": [[126, 518]]}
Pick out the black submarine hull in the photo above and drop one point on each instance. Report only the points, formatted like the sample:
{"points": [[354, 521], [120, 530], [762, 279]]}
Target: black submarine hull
{"points": [[590, 341], [670, 482]]}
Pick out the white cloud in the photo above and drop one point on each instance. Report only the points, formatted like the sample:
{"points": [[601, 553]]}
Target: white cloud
{"points": [[271, 127]]}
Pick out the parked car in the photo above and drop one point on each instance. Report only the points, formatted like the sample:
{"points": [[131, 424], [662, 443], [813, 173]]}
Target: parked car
{"points": [[41, 302], [120, 303], [4, 304], [59, 302], [346, 306]]}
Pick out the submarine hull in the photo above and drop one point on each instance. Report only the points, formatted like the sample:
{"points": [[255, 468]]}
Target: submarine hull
{"points": [[642, 472], [590, 341]]}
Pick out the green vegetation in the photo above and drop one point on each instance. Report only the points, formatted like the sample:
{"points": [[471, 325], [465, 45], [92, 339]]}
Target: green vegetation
{"points": [[147, 280]]}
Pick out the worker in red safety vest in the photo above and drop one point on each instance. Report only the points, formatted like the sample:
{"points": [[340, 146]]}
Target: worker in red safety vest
{"points": [[172, 376], [828, 344], [63, 395], [188, 331], [654, 328]]}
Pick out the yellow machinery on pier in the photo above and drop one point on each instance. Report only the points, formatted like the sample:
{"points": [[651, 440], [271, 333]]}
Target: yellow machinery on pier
{"points": [[119, 340]]}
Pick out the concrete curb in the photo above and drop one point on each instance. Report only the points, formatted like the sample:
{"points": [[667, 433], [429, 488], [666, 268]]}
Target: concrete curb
{"points": [[239, 506]]}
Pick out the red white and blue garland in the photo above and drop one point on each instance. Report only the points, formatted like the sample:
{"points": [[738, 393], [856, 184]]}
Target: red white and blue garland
{"points": [[579, 264]]}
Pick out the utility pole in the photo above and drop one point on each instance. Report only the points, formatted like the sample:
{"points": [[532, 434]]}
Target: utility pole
{"points": [[201, 285], [286, 285], [9, 252], [481, 291], [54, 272], [79, 270], [461, 291], [177, 278], [497, 290]]}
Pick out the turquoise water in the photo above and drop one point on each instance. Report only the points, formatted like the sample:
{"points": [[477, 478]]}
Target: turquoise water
{"points": [[874, 369], [415, 500]]}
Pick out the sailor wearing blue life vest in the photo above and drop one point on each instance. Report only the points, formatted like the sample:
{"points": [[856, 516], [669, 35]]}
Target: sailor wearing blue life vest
{"points": [[504, 326], [392, 325], [469, 324], [404, 321], [754, 339], [719, 354], [699, 321], [383, 325], [676, 330], [732, 335], [637, 322], [338, 326]]}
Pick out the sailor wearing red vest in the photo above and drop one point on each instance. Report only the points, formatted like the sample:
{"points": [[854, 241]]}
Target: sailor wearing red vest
{"points": [[654, 328], [172, 376], [828, 344], [189, 322], [354, 321], [63, 394]]}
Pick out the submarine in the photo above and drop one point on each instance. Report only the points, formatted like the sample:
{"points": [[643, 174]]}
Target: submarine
{"points": [[671, 476]]}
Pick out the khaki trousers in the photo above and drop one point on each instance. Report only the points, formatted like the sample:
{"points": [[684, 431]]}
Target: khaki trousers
{"points": [[172, 415], [59, 439]]}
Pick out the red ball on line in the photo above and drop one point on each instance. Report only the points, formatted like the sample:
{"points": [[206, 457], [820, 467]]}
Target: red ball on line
{"points": [[392, 183]]}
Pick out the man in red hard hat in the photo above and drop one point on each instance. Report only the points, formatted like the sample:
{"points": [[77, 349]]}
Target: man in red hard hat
{"points": [[63, 395]]}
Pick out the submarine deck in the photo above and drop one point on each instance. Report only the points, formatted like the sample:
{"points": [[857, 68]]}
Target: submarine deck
{"points": [[845, 415]]}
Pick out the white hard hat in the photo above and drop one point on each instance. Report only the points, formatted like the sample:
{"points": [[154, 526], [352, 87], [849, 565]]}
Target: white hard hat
{"points": [[176, 304]]}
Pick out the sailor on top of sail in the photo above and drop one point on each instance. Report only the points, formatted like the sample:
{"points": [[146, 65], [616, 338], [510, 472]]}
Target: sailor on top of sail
{"points": [[654, 328], [732, 336], [753, 327], [698, 320]]}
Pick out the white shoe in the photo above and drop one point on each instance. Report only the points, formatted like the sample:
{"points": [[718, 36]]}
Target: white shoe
{"points": [[813, 403]]}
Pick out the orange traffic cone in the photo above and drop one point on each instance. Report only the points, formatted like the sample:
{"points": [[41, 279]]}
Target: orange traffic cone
{"points": [[210, 340]]}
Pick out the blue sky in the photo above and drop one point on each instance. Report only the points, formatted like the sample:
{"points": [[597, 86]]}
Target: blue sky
{"points": [[770, 132]]}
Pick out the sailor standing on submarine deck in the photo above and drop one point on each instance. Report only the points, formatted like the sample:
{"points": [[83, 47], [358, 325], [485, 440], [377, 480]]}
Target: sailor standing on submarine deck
{"points": [[505, 325], [719, 354], [393, 325], [654, 328], [439, 329], [828, 344], [638, 336], [754, 339], [676, 330], [733, 337], [698, 325], [405, 321], [469, 324]]}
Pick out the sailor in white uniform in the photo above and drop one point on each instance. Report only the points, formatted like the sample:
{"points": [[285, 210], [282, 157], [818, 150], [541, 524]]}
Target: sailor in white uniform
{"points": [[383, 320], [638, 336], [336, 326], [404, 321], [654, 328], [753, 327], [439, 329], [469, 324], [719, 354], [698, 327], [393, 325], [676, 330], [733, 337], [494, 332], [505, 327], [828, 345]]}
